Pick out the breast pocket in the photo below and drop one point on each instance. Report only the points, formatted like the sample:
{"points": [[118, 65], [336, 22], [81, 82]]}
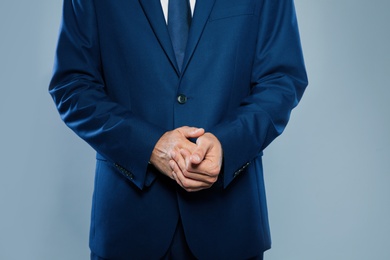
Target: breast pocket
{"points": [[231, 11]]}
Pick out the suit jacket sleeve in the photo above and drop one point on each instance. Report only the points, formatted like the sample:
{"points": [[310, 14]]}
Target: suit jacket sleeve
{"points": [[278, 82], [79, 93]]}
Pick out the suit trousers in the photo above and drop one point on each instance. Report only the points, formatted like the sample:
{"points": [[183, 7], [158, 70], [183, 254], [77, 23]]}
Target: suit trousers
{"points": [[178, 250]]}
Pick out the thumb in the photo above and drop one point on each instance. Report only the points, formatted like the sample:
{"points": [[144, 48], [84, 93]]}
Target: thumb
{"points": [[200, 151], [191, 132]]}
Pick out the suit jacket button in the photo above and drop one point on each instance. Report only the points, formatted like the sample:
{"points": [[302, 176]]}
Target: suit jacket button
{"points": [[182, 99], [130, 175]]}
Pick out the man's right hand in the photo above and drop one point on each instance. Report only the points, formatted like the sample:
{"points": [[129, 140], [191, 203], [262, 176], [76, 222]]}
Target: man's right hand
{"points": [[171, 143]]}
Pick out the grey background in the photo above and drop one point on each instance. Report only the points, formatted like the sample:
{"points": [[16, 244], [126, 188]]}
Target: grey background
{"points": [[327, 176]]}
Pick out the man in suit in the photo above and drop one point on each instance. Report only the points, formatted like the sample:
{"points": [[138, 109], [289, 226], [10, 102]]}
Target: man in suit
{"points": [[179, 131]]}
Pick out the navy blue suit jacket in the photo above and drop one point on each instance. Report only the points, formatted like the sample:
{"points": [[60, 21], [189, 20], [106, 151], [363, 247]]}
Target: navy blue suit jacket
{"points": [[116, 85]]}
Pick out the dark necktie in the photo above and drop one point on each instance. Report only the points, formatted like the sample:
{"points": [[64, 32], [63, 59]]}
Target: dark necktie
{"points": [[179, 20]]}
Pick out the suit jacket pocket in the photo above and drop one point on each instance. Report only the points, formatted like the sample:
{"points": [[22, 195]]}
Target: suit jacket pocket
{"points": [[231, 11]]}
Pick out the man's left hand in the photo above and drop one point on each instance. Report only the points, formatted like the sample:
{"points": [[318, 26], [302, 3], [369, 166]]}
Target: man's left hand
{"points": [[202, 166]]}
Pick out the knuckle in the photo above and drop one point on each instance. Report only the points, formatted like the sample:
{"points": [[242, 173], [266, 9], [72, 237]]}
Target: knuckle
{"points": [[208, 186], [214, 172], [212, 180], [185, 173], [185, 184]]}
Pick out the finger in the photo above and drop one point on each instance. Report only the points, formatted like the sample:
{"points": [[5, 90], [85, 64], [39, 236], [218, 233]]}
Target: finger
{"points": [[198, 155], [178, 159], [186, 156], [208, 168], [186, 181], [191, 170], [198, 172], [174, 167], [188, 184], [191, 132]]}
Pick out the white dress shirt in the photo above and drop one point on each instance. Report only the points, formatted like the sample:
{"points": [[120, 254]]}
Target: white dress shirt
{"points": [[164, 5]]}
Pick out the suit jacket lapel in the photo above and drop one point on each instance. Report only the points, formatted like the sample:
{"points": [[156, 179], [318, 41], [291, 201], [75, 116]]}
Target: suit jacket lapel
{"points": [[201, 15], [155, 15]]}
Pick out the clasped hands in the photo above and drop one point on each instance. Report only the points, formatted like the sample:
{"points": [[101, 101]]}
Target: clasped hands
{"points": [[194, 166]]}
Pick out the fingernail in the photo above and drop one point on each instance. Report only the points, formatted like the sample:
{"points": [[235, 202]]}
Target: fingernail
{"points": [[195, 158], [197, 130]]}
